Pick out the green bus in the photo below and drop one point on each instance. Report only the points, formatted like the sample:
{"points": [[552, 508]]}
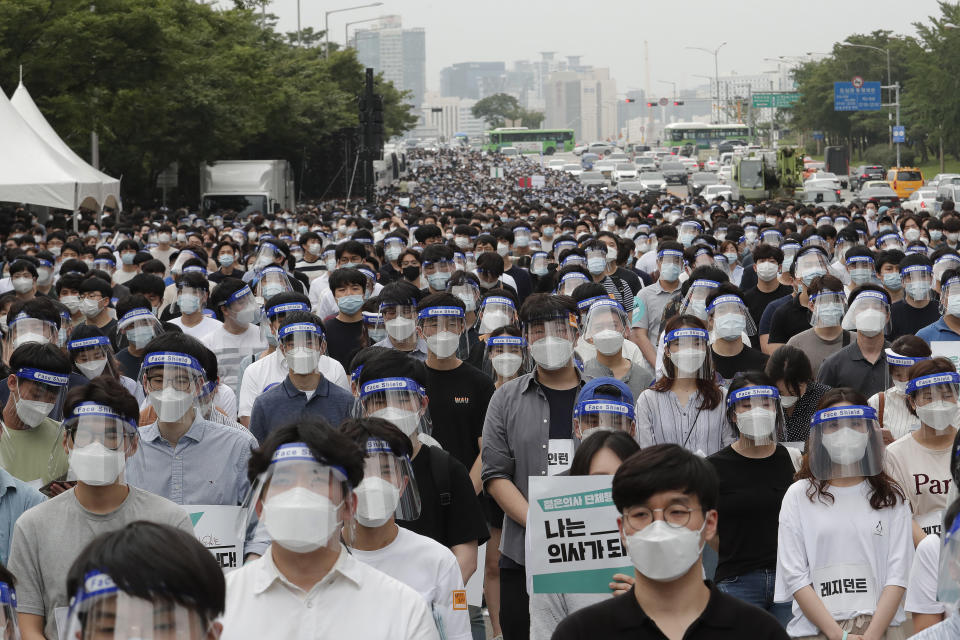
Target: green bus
{"points": [[703, 136], [546, 141]]}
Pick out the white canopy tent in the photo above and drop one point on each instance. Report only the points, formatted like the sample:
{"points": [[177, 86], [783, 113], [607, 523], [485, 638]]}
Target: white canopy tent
{"points": [[105, 191]]}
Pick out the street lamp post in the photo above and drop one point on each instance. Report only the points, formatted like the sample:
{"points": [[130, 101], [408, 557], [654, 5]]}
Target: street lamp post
{"points": [[716, 71], [326, 23], [346, 28]]}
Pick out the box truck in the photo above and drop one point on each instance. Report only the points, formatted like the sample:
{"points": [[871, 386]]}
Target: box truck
{"points": [[246, 186]]}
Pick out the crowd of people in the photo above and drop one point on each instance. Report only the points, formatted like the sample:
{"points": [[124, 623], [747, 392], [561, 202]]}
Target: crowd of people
{"points": [[364, 392]]}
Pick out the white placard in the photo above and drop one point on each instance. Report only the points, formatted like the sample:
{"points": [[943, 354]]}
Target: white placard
{"points": [[216, 528], [948, 349], [846, 587]]}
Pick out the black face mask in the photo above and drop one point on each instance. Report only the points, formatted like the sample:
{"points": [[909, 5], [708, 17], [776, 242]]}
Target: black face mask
{"points": [[411, 273]]}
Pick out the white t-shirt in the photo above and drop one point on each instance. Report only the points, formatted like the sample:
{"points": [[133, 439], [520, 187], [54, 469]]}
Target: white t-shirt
{"points": [[434, 574], [847, 550], [922, 590], [924, 475], [200, 330], [317, 286], [231, 349], [273, 369]]}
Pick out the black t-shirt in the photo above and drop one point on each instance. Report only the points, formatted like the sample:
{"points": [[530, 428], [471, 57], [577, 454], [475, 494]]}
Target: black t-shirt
{"points": [[129, 363], [789, 320], [621, 618], [524, 283], [630, 278], [749, 359], [458, 406], [757, 300], [751, 490], [561, 411], [461, 520], [907, 320], [343, 340]]}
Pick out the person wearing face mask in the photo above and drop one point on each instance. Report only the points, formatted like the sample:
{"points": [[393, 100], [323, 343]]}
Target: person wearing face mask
{"points": [[306, 474], [36, 384], [601, 263], [729, 321], [860, 267], [511, 273], [652, 300], [390, 386], [193, 290], [947, 328], [684, 405], [128, 252], [748, 536], [919, 306], [23, 277], [667, 500], [437, 261], [605, 329], [310, 263], [398, 308], [409, 262], [344, 331], [240, 335], [92, 355], [920, 462], [164, 250], [862, 364], [137, 326], [95, 298], [389, 492], [844, 519], [227, 256], [98, 437], [304, 392], [511, 451], [810, 263], [394, 245], [888, 270], [68, 292], [827, 304], [891, 405], [767, 262], [490, 273]]}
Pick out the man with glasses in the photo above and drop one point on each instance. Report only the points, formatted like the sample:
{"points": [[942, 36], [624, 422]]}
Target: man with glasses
{"points": [[667, 498], [437, 267]]}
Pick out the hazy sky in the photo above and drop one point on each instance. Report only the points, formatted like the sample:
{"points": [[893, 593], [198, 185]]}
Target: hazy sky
{"points": [[611, 33]]}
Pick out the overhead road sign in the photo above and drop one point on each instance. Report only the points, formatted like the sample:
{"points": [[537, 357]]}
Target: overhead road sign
{"points": [[775, 100], [847, 97]]}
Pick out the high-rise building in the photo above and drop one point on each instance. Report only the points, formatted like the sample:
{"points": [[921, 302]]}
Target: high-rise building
{"points": [[441, 117], [584, 100], [473, 80], [399, 54]]}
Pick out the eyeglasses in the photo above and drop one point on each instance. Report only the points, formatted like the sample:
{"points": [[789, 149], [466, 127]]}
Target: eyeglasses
{"points": [[676, 516], [93, 295]]}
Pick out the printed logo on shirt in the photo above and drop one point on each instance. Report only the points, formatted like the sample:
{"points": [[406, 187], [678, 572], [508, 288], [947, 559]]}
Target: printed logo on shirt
{"points": [[878, 530], [459, 600], [461, 399], [934, 487]]}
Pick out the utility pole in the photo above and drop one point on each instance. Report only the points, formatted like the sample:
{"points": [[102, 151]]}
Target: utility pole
{"points": [[372, 131]]}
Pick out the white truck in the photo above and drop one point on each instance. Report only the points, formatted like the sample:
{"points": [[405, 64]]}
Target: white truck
{"points": [[245, 186]]}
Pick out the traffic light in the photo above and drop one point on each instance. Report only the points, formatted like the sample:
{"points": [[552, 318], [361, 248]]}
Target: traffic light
{"points": [[651, 104], [678, 103], [629, 100]]}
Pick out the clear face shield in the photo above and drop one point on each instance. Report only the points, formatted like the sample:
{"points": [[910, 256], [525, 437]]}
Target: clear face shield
{"points": [[521, 237], [401, 401], [270, 282], [301, 344], [302, 502], [392, 248], [469, 261], [172, 382], [438, 273], [948, 576], [388, 488], [505, 358], [552, 341], [704, 258], [182, 258], [897, 367], [943, 264], [869, 314], [756, 414], [101, 611], [810, 265], [538, 263], [39, 395], [560, 247], [603, 415], [606, 326], [695, 302], [495, 312], [687, 354], [242, 308], [790, 250], [267, 255], [399, 321], [98, 441], [569, 282], [934, 399], [771, 237], [374, 326], [139, 326], [444, 331], [861, 270], [730, 319], [92, 356], [329, 258], [828, 309], [469, 293], [950, 297], [9, 626], [671, 264], [890, 241], [24, 329], [845, 442]]}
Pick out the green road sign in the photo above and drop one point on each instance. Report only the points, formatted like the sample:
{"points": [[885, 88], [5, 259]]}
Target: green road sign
{"points": [[782, 100]]}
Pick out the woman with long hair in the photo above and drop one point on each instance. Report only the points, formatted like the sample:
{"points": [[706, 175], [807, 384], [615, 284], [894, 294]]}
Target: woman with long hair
{"points": [[685, 405], [845, 540]]}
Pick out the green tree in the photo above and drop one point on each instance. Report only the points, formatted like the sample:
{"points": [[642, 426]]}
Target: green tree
{"points": [[496, 109]]}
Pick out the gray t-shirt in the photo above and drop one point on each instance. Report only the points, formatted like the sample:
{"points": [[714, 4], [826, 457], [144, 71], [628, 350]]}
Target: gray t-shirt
{"points": [[816, 348], [638, 378], [49, 537]]}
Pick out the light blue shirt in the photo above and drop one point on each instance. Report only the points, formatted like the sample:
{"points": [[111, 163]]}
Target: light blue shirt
{"points": [[16, 497], [208, 465], [938, 332]]}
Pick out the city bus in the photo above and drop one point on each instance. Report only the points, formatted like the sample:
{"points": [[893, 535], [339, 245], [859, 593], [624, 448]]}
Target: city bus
{"points": [[546, 141], [703, 136]]}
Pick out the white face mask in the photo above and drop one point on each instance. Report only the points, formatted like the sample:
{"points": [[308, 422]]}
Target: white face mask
{"points": [[900, 385], [757, 423], [400, 328], [506, 364], [845, 445], [608, 342], [170, 404], [788, 401], [139, 337], [870, 322], [72, 303], [729, 326], [300, 520], [302, 360], [493, 320], [688, 361], [188, 303], [552, 352], [377, 500], [96, 465], [403, 419], [92, 368], [90, 308], [767, 271], [664, 553], [443, 344], [32, 412], [938, 415], [22, 285]]}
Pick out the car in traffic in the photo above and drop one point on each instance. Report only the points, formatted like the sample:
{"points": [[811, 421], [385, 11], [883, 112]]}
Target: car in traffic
{"points": [[905, 180], [692, 164], [946, 192], [645, 164], [810, 168], [587, 160], [881, 195], [653, 182], [820, 196], [673, 172], [920, 200], [699, 180], [625, 171], [864, 173], [711, 165], [556, 163], [593, 178], [630, 186], [619, 156], [601, 148], [580, 148], [572, 168], [713, 191], [725, 174], [510, 153], [943, 178]]}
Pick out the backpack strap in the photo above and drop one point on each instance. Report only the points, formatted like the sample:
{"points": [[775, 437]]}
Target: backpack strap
{"points": [[883, 402], [440, 463]]}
